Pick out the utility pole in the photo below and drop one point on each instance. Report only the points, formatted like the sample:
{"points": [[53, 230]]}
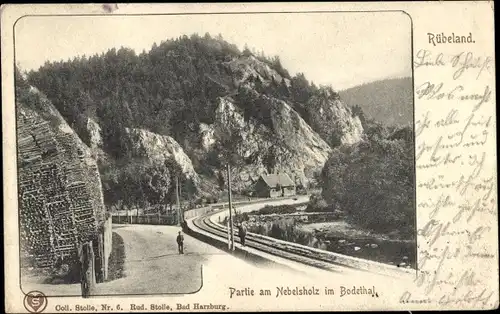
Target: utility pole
{"points": [[231, 234], [178, 201], [180, 198]]}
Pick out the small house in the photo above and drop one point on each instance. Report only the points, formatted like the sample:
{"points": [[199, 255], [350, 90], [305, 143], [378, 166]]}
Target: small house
{"points": [[275, 185]]}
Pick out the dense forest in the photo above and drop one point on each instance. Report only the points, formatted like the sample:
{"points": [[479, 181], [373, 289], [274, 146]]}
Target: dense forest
{"points": [[169, 90]]}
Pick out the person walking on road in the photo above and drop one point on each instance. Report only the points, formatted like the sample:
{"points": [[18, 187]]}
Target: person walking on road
{"points": [[242, 232], [180, 243]]}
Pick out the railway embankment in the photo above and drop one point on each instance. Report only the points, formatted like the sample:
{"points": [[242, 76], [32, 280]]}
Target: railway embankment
{"points": [[207, 227]]}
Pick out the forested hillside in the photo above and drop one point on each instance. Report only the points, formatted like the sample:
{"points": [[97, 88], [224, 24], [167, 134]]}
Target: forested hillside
{"points": [[169, 90], [388, 101], [197, 103]]}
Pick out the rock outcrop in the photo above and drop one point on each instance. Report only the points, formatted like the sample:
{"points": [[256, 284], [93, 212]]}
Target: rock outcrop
{"points": [[333, 120], [95, 137], [207, 137], [157, 148], [290, 146], [244, 68]]}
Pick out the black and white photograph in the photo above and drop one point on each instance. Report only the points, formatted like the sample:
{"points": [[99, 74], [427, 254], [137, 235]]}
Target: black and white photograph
{"points": [[151, 148]]}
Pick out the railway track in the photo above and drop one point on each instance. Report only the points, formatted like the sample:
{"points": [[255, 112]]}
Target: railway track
{"points": [[298, 253]]}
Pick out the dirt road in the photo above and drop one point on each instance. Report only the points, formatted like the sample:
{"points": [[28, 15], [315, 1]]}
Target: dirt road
{"points": [[152, 265]]}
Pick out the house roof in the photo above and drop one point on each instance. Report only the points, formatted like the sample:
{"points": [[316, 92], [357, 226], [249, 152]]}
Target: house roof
{"points": [[277, 178]]}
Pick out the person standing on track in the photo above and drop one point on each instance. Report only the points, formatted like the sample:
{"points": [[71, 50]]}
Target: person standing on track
{"points": [[180, 243], [242, 232]]}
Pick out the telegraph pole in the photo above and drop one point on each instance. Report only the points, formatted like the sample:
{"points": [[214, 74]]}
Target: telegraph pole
{"points": [[178, 200], [231, 234]]}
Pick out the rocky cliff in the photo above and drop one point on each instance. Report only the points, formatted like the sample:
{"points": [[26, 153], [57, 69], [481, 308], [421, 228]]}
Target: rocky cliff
{"points": [[60, 196], [333, 120], [158, 148], [290, 146], [249, 68]]}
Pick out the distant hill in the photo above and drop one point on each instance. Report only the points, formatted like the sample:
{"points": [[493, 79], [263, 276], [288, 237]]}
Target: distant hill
{"points": [[388, 101]]}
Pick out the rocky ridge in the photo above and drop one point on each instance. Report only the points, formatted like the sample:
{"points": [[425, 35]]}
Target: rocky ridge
{"points": [[158, 148]]}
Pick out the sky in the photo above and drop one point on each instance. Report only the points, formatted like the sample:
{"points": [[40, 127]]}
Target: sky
{"points": [[338, 49]]}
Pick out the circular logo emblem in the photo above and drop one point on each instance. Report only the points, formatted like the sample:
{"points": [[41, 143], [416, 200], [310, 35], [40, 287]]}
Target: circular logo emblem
{"points": [[35, 302]]}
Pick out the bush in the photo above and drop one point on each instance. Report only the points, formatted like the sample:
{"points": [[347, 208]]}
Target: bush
{"points": [[237, 218], [318, 204], [286, 230], [280, 209]]}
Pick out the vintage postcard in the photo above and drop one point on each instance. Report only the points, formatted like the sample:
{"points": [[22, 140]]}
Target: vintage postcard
{"points": [[249, 157]]}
